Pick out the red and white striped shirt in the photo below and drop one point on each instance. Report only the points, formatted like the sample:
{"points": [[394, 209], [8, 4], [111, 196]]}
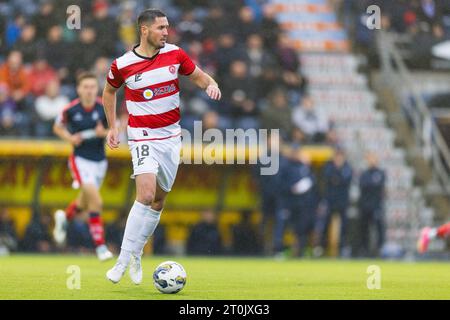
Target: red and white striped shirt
{"points": [[151, 91]]}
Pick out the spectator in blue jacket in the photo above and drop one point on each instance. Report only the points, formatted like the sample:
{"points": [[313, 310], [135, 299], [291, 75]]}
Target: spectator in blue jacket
{"points": [[269, 191], [337, 174], [371, 203], [299, 199]]}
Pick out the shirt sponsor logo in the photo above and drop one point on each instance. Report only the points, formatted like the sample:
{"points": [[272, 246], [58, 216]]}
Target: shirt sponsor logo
{"points": [[150, 94]]}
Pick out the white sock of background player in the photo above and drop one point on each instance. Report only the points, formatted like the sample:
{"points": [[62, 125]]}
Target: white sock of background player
{"points": [[135, 222], [151, 221]]}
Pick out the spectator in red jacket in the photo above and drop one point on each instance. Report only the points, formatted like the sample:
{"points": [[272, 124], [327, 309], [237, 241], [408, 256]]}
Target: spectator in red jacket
{"points": [[40, 75]]}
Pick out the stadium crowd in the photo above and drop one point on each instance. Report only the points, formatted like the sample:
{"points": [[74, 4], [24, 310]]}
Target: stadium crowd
{"points": [[238, 42], [426, 22]]}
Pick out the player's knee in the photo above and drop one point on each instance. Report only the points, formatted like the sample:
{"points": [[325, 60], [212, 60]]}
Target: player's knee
{"points": [[158, 204], [93, 198], [95, 204], [145, 197], [98, 204]]}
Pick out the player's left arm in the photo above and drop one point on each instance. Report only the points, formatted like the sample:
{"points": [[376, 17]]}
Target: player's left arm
{"points": [[206, 82]]}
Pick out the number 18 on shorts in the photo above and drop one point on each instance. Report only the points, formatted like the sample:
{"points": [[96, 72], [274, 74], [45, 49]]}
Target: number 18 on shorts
{"points": [[160, 157]]}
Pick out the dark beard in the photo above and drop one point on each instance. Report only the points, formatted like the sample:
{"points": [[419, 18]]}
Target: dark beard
{"points": [[154, 45]]}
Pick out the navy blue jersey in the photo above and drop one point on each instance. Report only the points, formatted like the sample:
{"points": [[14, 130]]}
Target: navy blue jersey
{"points": [[76, 119]]}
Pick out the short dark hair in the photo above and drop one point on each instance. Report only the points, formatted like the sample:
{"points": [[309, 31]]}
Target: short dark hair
{"points": [[85, 75], [149, 15]]}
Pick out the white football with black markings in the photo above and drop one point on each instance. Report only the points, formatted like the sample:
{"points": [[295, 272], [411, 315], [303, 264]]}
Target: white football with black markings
{"points": [[169, 277]]}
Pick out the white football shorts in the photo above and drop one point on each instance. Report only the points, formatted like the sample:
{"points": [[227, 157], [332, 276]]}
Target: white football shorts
{"points": [[160, 157], [86, 171]]}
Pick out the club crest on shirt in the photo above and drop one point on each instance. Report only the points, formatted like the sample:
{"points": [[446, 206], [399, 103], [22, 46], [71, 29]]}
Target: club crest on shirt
{"points": [[95, 116], [172, 69], [78, 117], [148, 94]]}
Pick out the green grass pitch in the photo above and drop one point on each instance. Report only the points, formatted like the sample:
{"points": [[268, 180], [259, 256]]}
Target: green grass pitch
{"points": [[45, 277]]}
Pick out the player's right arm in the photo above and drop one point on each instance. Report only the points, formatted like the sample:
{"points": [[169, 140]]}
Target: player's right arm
{"points": [[114, 81], [109, 104]]}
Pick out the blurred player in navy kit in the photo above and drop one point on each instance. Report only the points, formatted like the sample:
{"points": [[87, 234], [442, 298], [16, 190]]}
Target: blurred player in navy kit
{"points": [[300, 200], [83, 124], [337, 174], [371, 203]]}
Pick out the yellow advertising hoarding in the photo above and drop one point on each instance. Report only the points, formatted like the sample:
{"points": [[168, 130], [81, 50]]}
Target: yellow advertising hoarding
{"points": [[37, 171]]}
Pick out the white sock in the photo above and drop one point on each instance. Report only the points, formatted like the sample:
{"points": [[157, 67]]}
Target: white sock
{"points": [[151, 221], [135, 222]]}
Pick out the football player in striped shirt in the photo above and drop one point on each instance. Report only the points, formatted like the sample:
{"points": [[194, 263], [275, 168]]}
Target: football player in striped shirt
{"points": [[149, 74]]}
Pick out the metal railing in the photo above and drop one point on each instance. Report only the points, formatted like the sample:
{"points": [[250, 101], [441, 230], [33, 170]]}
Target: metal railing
{"points": [[428, 137]]}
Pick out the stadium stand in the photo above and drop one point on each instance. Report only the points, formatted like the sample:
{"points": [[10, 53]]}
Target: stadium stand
{"points": [[342, 92], [410, 73]]}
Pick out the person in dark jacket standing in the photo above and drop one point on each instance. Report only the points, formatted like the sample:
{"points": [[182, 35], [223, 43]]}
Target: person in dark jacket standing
{"points": [[300, 200], [337, 175], [269, 191], [371, 203]]}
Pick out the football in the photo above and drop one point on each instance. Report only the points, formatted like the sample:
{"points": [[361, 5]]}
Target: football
{"points": [[169, 277]]}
